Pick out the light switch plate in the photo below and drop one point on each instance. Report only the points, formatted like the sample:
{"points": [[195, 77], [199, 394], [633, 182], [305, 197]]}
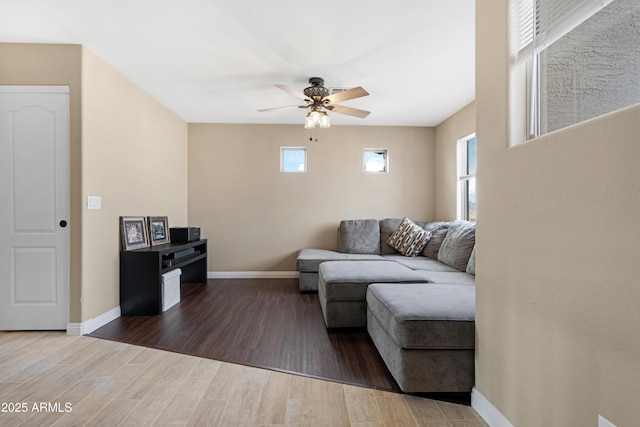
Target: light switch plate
{"points": [[94, 202]]}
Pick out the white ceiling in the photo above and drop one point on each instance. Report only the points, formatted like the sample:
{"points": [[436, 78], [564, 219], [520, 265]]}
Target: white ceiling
{"points": [[217, 61]]}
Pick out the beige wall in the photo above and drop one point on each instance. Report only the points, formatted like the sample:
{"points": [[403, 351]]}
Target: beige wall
{"points": [[257, 218], [448, 133], [125, 147], [557, 262], [35, 64], [134, 155]]}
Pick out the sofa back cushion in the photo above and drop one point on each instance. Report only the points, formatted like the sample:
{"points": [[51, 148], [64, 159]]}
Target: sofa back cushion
{"points": [[471, 266], [438, 232], [387, 227], [359, 236], [458, 244]]}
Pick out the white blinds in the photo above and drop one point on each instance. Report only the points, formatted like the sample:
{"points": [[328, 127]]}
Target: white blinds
{"points": [[551, 21], [524, 27]]}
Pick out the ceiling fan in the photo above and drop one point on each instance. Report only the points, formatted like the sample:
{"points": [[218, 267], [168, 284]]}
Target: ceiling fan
{"points": [[319, 100]]}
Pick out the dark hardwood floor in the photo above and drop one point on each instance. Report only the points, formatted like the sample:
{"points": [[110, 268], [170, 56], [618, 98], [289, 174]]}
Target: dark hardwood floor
{"points": [[265, 323]]}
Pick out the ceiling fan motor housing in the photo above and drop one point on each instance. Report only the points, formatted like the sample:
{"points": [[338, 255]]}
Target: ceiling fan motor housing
{"points": [[316, 91]]}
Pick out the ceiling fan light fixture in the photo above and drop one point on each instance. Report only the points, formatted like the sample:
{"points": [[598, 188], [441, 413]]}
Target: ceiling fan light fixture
{"points": [[316, 119], [308, 122], [324, 120]]}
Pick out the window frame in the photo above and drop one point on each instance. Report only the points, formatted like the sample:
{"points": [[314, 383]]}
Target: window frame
{"points": [[282, 159], [383, 151], [528, 41]]}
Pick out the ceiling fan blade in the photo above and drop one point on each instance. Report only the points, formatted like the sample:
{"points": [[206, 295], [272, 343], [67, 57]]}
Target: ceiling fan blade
{"points": [[293, 92], [282, 108], [346, 95], [341, 109]]}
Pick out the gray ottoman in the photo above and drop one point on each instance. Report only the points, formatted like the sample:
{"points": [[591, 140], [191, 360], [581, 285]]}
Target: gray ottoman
{"points": [[342, 288], [425, 334]]}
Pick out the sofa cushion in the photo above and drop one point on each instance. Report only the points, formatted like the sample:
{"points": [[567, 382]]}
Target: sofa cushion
{"points": [[359, 236], [448, 277], [309, 259], [438, 232], [457, 245], [348, 280], [420, 263], [421, 316], [471, 266], [409, 238], [387, 227]]}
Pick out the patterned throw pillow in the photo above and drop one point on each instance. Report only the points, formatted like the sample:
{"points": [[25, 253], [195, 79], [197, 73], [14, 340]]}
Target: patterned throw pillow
{"points": [[409, 238]]}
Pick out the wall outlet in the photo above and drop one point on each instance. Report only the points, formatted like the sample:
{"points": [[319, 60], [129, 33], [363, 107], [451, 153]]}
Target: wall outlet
{"points": [[94, 202], [603, 422]]}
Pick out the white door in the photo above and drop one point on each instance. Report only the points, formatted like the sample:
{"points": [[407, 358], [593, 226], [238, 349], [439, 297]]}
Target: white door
{"points": [[34, 207]]}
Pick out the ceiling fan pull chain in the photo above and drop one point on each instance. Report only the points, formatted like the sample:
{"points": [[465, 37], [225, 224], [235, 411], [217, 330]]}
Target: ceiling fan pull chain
{"points": [[313, 135]]}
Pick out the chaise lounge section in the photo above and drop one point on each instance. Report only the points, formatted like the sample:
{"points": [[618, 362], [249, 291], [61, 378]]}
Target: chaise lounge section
{"points": [[418, 306], [425, 333]]}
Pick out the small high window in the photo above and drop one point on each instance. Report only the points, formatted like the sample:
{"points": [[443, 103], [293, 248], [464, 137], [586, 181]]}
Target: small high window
{"points": [[376, 160], [293, 159]]}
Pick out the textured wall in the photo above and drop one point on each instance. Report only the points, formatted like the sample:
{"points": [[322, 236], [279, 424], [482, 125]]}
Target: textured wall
{"points": [[557, 256], [593, 70]]}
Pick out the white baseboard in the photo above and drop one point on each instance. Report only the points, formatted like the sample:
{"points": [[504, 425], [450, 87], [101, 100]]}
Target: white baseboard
{"points": [[78, 329], [487, 411], [253, 275]]}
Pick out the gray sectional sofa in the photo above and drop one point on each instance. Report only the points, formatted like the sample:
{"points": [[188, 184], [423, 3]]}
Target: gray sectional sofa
{"points": [[415, 296]]}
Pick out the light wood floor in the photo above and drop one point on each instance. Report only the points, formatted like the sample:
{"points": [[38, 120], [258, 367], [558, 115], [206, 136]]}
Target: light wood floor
{"points": [[68, 381]]}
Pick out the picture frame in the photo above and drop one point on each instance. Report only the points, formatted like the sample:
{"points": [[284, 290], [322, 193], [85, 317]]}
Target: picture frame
{"points": [[158, 230], [133, 232]]}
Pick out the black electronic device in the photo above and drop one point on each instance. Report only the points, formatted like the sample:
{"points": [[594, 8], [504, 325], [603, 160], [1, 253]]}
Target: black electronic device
{"points": [[184, 234], [179, 256]]}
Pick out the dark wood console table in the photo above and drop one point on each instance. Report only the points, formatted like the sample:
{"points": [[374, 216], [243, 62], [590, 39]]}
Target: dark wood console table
{"points": [[141, 273]]}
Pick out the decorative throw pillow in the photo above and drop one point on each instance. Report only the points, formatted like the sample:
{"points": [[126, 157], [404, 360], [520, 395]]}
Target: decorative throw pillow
{"points": [[409, 238], [387, 227]]}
